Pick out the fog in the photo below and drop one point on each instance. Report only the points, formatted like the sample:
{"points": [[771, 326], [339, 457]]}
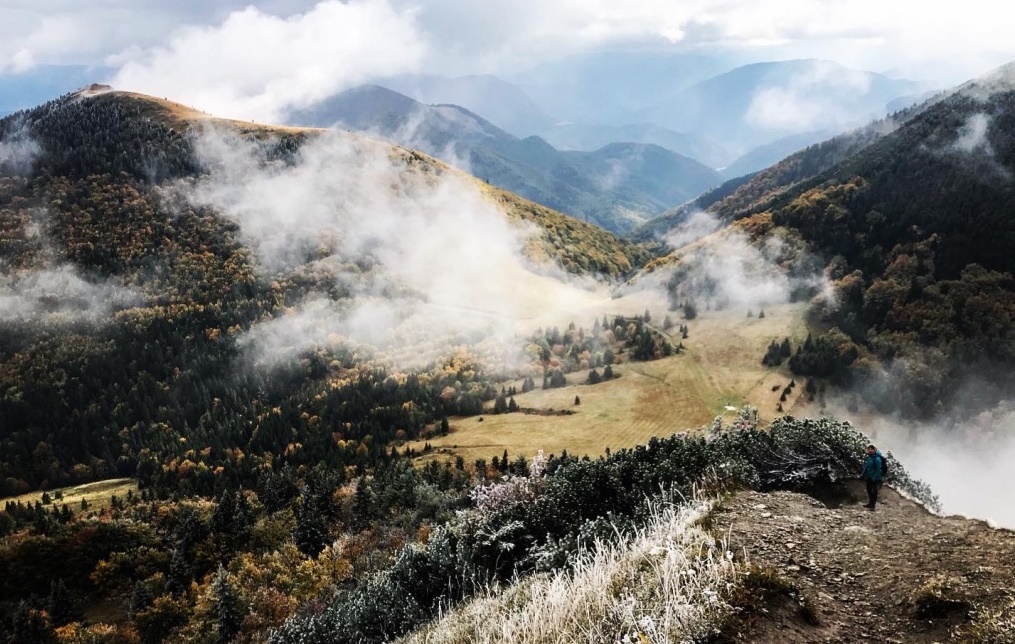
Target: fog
{"points": [[425, 260], [59, 295], [716, 265]]}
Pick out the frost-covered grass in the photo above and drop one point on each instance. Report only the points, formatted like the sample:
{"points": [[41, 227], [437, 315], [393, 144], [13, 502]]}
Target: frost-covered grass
{"points": [[666, 582]]}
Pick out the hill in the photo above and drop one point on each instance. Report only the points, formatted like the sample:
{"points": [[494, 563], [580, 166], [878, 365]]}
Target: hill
{"points": [[617, 186]]}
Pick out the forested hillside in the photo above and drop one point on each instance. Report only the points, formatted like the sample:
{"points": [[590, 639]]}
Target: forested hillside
{"points": [[913, 217]]}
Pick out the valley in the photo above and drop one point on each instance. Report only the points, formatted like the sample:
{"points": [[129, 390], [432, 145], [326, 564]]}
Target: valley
{"points": [[299, 384]]}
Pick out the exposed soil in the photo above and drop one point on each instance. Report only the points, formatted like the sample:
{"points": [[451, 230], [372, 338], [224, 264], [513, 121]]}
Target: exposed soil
{"points": [[861, 574]]}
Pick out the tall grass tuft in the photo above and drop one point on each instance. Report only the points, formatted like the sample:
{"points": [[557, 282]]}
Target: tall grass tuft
{"points": [[665, 582]]}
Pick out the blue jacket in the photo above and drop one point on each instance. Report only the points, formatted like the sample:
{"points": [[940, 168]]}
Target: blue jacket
{"points": [[872, 467]]}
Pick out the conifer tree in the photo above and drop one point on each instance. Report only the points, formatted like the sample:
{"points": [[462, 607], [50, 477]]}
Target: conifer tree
{"points": [[228, 610]]}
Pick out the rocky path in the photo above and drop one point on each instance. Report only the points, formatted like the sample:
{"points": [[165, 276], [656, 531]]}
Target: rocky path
{"points": [[868, 576]]}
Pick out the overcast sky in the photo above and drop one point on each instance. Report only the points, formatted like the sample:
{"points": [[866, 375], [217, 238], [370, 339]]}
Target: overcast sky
{"points": [[257, 59]]}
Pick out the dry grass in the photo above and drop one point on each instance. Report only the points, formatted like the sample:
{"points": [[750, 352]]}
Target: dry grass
{"points": [[98, 494], [722, 367], [666, 583]]}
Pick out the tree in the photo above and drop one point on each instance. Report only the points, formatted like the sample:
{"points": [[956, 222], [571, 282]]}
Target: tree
{"points": [[512, 405], [608, 372], [690, 310], [228, 610], [363, 504], [140, 599], [500, 405], [594, 377], [577, 400], [311, 532], [60, 604], [180, 572]]}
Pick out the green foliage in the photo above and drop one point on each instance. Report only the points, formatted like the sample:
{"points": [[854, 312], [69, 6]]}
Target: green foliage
{"points": [[546, 532]]}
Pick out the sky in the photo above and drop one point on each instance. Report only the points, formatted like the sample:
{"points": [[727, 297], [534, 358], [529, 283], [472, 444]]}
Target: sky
{"points": [[257, 59]]}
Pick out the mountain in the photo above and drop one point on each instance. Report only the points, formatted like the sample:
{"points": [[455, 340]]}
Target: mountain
{"points": [[501, 102], [760, 103], [770, 154], [912, 216], [575, 136], [617, 187]]}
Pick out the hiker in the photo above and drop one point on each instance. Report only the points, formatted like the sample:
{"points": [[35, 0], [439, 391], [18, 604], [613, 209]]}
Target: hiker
{"points": [[873, 474]]}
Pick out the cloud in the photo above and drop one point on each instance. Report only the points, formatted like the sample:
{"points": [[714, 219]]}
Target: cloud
{"points": [[59, 295], [973, 135], [824, 95], [409, 260], [965, 459], [947, 42], [722, 266], [256, 65]]}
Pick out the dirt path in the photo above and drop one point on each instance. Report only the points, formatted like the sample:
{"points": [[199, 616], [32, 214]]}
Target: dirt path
{"points": [[861, 570]]}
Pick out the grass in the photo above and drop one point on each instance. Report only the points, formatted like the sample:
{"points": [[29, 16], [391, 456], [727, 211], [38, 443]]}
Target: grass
{"points": [[666, 583], [98, 494], [721, 367]]}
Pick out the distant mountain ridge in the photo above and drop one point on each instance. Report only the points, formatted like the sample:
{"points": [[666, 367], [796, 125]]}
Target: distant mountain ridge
{"points": [[618, 186]]}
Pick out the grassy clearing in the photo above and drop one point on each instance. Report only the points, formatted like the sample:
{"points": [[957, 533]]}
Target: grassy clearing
{"points": [[666, 583], [98, 494], [721, 367]]}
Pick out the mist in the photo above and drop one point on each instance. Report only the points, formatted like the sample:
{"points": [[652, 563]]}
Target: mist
{"points": [[724, 267], [60, 295], [420, 258]]}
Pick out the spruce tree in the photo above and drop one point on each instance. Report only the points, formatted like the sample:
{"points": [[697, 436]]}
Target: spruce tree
{"points": [[228, 610], [140, 599]]}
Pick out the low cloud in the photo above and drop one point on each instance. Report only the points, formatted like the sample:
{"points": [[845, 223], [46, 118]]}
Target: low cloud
{"points": [[825, 95], [18, 152], [722, 266], [420, 258], [60, 295], [973, 135], [256, 65]]}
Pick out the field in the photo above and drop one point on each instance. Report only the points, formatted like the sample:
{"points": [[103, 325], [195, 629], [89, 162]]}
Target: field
{"points": [[98, 494], [720, 369]]}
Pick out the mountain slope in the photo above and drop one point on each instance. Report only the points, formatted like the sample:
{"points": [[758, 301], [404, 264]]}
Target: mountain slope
{"points": [[580, 136], [501, 102], [915, 226], [617, 187]]}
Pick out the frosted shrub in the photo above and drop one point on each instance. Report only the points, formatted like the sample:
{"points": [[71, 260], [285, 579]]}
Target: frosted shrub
{"points": [[665, 582], [513, 490]]}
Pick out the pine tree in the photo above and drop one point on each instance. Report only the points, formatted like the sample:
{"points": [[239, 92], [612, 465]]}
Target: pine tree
{"points": [[180, 572], [228, 610], [512, 406], [363, 504], [608, 372], [577, 400], [60, 604], [140, 599]]}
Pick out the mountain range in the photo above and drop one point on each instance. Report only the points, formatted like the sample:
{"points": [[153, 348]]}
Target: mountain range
{"points": [[617, 186]]}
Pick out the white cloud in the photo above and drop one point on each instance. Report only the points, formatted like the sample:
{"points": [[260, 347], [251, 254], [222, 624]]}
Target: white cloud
{"points": [[424, 259], [824, 95], [255, 65], [59, 295]]}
